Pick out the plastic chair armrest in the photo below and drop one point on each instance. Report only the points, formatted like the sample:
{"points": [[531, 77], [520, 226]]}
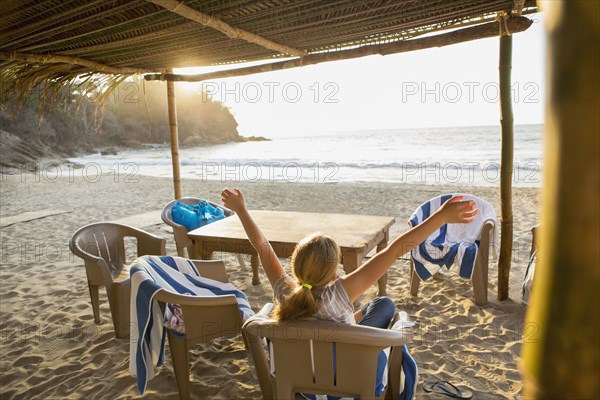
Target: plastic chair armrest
{"points": [[266, 310], [81, 253], [213, 269], [151, 245]]}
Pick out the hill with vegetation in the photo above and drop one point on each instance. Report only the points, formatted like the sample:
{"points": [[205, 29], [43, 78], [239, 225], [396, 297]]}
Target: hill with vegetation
{"points": [[133, 115]]}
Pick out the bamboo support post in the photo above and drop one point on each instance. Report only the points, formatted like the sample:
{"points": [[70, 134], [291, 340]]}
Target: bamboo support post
{"points": [[506, 167], [561, 336], [174, 136], [513, 25]]}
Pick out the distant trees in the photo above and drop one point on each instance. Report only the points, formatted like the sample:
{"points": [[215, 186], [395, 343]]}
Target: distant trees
{"points": [[133, 114], [141, 110]]}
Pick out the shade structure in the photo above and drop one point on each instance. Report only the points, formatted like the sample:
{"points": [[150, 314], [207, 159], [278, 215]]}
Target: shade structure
{"points": [[155, 35], [97, 44]]}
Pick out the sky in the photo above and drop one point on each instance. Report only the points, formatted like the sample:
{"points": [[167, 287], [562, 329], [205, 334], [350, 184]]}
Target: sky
{"points": [[455, 85]]}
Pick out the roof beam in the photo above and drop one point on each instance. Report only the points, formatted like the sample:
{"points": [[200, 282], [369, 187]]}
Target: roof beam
{"points": [[58, 59], [492, 29], [178, 7]]}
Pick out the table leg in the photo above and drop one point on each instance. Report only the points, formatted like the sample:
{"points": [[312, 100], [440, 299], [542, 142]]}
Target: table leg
{"points": [[191, 250], [254, 262], [204, 251], [382, 282], [350, 262]]}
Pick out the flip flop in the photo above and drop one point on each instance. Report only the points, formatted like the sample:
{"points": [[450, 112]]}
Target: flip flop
{"points": [[447, 389]]}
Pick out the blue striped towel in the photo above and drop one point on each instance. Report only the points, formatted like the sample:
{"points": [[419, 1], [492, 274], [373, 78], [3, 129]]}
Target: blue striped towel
{"points": [[452, 243], [149, 274]]}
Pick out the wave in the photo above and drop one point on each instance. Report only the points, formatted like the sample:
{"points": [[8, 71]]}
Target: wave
{"points": [[526, 165], [385, 156]]}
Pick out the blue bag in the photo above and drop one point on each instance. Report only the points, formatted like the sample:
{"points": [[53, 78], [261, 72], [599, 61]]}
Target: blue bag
{"points": [[207, 213], [195, 216]]}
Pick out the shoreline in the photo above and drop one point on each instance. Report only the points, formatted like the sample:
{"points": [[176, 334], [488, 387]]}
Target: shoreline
{"points": [[52, 348], [92, 166], [27, 153]]}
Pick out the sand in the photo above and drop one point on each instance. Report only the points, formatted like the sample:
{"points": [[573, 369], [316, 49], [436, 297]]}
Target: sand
{"points": [[51, 347]]}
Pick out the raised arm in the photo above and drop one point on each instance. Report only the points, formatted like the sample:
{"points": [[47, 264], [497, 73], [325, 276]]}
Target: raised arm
{"points": [[453, 211], [234, 200]]}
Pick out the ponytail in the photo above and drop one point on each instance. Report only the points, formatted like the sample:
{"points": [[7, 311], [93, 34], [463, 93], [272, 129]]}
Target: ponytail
{"points": [[300, 304], [314, 263]]}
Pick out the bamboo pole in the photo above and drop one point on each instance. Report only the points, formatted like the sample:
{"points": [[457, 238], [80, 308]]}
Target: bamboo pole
{"points": [[235, 33], [506, 167], [58, 59], [514, 24], [174, 136], [561, 351]]}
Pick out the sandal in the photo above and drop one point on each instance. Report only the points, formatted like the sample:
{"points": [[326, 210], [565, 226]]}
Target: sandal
{"points": [[447, 389]]}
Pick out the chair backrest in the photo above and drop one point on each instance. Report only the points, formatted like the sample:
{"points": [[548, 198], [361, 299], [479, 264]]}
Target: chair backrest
{"points": [[321, 357], [206, 318], [481, 228], [104, 240], [103, 244], [179, 231], [486, 210], [166, 212]]}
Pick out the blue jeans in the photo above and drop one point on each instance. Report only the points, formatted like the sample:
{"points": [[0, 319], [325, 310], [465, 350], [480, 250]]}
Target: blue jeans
{"points": [[378, 313]]}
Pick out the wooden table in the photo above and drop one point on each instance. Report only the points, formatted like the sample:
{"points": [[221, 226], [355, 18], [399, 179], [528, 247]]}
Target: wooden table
{"points": [[355, 234]]}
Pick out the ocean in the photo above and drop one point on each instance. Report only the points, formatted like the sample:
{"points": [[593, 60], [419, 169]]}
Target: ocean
{"points": [[467, 156]]}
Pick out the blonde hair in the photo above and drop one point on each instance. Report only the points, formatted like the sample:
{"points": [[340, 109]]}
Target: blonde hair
{"points": [[314, 262]]}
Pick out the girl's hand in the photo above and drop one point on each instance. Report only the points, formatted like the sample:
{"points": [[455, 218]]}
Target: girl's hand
{"points": [[456, 211], [233, 200]]}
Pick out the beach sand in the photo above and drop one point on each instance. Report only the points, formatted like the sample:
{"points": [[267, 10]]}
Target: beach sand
{"points": [[52, 349]]}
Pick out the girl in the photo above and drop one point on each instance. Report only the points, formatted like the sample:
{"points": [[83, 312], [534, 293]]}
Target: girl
{"points": [[315, 290]]}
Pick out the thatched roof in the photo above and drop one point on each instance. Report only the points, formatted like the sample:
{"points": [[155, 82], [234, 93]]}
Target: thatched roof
{"points": [[49, 40]]}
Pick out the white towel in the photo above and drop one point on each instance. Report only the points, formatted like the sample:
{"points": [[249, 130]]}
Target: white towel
{"points": [[452, 243], [149, 274]]}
